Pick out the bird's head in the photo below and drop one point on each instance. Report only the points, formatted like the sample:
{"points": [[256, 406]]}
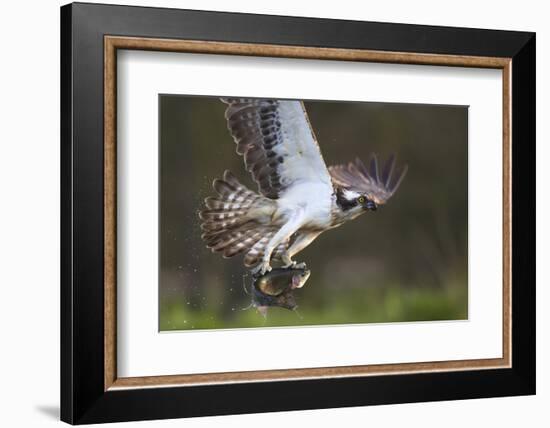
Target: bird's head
{"points": [[352, 203], [360, 189]]}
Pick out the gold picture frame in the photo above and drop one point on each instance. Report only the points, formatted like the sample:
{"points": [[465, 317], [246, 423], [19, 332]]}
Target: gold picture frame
{"points": [[114, 43]]}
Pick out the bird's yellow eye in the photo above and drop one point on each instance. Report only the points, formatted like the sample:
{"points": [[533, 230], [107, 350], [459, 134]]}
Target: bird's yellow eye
{"points": [[361, 199]]}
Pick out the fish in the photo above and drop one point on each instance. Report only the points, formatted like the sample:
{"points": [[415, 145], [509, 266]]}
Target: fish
{"points": [[279, 280], [275, 288]]}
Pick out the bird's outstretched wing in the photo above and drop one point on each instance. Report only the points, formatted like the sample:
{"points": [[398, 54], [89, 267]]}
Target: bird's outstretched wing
{"points": [[378, 185], [277, 143]]}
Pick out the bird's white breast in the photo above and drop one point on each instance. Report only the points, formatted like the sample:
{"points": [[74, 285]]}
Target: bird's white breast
{"points": [[314, 199]]}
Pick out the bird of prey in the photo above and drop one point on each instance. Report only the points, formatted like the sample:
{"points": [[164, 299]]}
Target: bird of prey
{"points": [[298, 196]]}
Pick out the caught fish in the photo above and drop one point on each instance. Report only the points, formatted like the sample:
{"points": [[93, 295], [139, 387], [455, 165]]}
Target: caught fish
{"points": [[275, 288]]}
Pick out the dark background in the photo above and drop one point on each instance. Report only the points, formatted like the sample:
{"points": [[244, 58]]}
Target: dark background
{"points": [[405, 262]]}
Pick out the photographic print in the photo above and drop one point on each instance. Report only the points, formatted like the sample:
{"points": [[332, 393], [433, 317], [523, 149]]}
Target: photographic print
{"points": [[280, 212], [292, 183]]}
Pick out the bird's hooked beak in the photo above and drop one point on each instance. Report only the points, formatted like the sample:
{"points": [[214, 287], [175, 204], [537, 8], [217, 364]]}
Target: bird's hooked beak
{"points": [[370, 205]]}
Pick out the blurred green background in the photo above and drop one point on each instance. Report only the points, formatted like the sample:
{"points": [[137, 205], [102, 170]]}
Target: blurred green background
{"points": [[406, 262]]}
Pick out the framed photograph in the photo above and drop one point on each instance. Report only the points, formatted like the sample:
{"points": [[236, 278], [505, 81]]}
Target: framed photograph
{"points": [[266, 213]]}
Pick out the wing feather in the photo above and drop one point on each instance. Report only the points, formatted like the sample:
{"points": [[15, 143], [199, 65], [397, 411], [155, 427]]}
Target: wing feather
{"points": [[277, 143], [356, 176]]}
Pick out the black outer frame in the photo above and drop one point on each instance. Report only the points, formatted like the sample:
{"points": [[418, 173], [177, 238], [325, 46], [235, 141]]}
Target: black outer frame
{"points": [[83, 399]]}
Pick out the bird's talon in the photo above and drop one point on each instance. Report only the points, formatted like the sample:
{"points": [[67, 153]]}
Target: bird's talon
{"points": [[290, 265], [261, 269]]}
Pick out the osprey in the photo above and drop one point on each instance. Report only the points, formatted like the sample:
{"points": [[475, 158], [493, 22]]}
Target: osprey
{"points": [[299, 197]]}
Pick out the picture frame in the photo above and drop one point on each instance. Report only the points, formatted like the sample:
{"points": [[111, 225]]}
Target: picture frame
{"points": [[91, 390]]}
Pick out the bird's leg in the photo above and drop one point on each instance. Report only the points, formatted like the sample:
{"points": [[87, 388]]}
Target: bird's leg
{"points": [[260, 269], [301, 242], [287, 261], [285, 232]]}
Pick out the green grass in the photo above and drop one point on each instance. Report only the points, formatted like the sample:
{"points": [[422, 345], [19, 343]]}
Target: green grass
{"points": [[372, 305]]}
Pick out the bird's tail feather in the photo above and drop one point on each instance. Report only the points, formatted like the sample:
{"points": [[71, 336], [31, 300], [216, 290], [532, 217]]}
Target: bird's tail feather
{"points": [[231, 220]]}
